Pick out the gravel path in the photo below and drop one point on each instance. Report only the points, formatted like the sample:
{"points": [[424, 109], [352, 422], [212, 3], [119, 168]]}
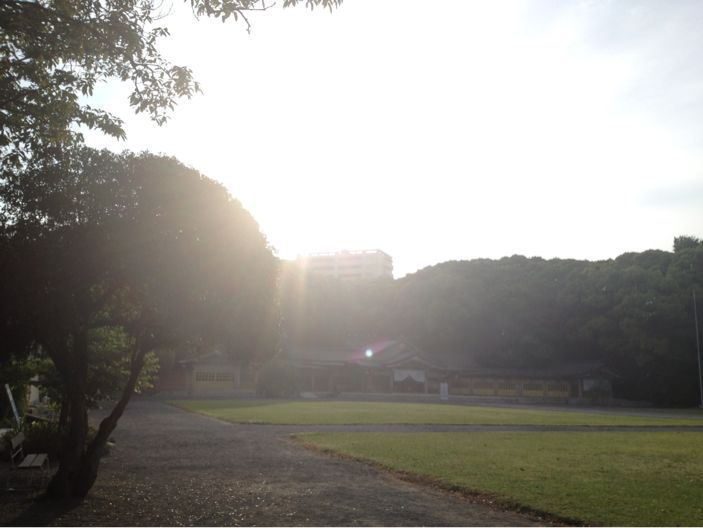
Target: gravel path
{"points": [[171, 467]]}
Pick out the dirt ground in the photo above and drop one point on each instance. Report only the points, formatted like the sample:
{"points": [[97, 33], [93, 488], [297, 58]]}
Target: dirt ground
{"points": [[170, 467]]}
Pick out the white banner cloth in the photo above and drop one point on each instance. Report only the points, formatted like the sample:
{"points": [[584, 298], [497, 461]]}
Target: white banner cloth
{"points": [[415, 375]]}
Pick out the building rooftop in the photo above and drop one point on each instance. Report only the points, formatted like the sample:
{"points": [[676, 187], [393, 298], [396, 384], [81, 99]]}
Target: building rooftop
{"points": [[346, 264], [344, 252], [385, 353]]}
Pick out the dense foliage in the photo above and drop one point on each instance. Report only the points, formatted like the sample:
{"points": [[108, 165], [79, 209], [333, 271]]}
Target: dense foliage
{"points": [[53, 53], [107, 258], [633, 313], [16, 373], [113, 257]]}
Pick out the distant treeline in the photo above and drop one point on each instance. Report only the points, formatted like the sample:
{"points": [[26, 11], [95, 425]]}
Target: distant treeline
{"points": [[634, 313]]}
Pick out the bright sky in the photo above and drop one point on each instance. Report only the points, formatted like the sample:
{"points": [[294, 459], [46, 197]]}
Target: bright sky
{"points": [[448, 130]]}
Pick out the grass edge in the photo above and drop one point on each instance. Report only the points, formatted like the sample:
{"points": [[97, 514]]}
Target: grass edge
{"points": [[475, 496]]}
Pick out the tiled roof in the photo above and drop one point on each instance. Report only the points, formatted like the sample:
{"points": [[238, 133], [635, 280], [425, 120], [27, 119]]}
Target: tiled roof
{"points": [[385, 353]]}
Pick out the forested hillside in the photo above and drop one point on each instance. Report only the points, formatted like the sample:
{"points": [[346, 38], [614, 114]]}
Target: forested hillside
{"points": [[635, 313]]}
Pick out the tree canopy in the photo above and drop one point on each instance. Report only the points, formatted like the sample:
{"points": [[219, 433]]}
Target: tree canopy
{"points": [[634, 313], [54, 52], [135, 248], [112, 256]]}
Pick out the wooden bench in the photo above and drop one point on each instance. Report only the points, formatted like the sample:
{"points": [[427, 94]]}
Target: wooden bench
{"points": [[33, 462]]}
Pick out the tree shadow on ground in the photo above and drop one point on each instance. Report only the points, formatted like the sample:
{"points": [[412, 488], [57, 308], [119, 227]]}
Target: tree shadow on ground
{"points": [[40, 511]]}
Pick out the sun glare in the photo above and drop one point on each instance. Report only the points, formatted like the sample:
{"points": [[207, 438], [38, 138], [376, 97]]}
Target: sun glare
{"points": [[457, 143]]}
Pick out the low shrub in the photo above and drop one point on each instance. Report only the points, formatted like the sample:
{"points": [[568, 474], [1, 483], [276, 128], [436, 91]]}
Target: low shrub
{"points": [[276, 381], [43, 437], [40, 437]]}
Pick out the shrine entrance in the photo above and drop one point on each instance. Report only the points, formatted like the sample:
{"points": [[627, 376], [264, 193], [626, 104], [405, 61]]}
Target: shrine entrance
{"points": [[407, 380]]}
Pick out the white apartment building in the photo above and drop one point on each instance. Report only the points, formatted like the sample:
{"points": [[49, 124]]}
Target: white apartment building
{"points": [[364, 264]]}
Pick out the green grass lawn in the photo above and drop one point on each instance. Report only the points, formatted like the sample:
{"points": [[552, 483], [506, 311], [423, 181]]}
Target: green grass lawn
{"points": [[598, 478], [348, 412]]}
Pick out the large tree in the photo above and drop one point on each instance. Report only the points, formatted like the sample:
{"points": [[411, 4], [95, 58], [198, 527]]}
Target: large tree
{"points": [[52, 52], [137, 244]]}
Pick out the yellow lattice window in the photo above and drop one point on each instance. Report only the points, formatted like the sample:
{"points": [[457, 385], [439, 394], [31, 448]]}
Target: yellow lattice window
{"points": [[559, 389], [533, 388], [224, 376], [483, 388], [506, 388]]}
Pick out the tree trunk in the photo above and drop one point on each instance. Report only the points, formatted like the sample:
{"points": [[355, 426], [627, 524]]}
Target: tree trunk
{"points": [[90, 461], [78, 465], [63, 416], [75, 379]]}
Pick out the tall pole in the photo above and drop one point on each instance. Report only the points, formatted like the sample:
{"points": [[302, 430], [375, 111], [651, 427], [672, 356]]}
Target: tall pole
{"points": [[698, 347]]}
